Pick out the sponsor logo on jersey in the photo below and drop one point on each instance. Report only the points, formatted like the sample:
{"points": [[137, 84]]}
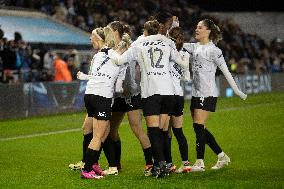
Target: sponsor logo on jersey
{"points": [[102, 114]]}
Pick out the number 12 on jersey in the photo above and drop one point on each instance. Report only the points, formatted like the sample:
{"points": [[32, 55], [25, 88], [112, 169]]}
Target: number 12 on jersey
{"points": [[155, 52]]}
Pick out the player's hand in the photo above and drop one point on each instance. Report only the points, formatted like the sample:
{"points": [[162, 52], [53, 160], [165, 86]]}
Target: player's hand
{"points": [[82, 76], [78, 74], [175, 22], [243, 96]]}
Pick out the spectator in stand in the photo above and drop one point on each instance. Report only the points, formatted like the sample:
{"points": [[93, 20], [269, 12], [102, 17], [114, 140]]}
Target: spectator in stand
{"points": [[73, 64], [2, 45], [61, 71], [9, 61], [89, 14]]}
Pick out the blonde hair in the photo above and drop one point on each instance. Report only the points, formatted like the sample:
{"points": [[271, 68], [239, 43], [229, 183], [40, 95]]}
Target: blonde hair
{"points": [[99, 33], [109, 37], [125, 41], [123, 33]]}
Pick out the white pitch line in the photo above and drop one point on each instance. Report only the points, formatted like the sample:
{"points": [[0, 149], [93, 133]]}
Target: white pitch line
{"points": [[45, 134], [125, 122], [40, 134]]}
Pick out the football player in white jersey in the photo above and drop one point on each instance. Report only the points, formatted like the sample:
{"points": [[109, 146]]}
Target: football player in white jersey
{"points": [[176, 120], [167, 22], [123, 103], [98, 99], [98, 41], [153, 55], [206, 58]]}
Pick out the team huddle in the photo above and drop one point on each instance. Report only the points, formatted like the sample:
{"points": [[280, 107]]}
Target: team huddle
{"points": [[144, 76]]}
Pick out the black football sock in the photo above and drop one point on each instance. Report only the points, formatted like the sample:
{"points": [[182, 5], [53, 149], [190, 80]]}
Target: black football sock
{"points": [[91, 157], [167, 147], [148, 156], [100, 151], [210, 140], [155, 137], [86, 141], [109, 150], [182, 143], [200, 140], [117, 147]]}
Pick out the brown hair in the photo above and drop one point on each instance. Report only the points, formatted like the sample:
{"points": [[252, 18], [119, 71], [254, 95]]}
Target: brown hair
{"points": [[177, 35], [152, 27], [215, 34], [118, 26]]}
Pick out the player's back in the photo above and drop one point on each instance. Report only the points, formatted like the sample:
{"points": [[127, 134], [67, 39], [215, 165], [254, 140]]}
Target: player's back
{"points": [[154, 57]]}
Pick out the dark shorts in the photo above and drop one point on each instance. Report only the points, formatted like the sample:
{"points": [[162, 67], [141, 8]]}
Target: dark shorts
{"points": [[127, 104], [157, 104], [178, 106], [204, 103], [98, 107]]}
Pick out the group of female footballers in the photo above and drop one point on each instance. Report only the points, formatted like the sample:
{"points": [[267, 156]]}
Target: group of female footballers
{"points": [[127, 77]]}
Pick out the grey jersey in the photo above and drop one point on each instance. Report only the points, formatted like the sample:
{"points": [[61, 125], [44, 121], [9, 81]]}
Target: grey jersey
{"points": [[131, 80], [205, 59]]}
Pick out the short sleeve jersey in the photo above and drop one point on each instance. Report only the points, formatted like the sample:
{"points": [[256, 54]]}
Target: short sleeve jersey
{"points": [[103, 75]]}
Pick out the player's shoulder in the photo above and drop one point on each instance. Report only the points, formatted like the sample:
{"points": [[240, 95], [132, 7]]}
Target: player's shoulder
{"points": [[189, 47], [214, 49], [157, 37], [138, 41]]}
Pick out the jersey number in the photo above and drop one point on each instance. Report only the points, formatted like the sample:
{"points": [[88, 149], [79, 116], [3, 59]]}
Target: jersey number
{"points": [[152, 53]]}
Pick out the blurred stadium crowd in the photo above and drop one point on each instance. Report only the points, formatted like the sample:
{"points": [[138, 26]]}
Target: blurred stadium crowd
{"points": [[243, 52]]}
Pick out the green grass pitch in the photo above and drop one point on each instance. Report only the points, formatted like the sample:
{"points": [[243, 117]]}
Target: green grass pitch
{"points": [[33, 154]]}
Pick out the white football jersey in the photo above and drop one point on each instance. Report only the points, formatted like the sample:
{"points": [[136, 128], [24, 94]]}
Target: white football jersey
{"points": [[177, 73], [119, 84], [153, 54], [103, 73], [205, 59]]}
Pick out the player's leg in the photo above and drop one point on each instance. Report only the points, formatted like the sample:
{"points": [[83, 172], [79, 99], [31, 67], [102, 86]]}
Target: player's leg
{"points": [[209, 104], [93, 151], [112, 145], [177, 122], [100, 108], [87, 137], [167, 139], [199, 118], [157, 145], [135, 122]]}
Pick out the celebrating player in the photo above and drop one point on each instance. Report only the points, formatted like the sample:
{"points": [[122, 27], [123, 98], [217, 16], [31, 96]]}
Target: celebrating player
{"points": [[206, 58]]}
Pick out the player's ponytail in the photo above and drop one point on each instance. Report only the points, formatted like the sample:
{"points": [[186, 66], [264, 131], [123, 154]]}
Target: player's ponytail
{"points": [[109, 37], [125, 41], [177, 35], [123, 32], [215, 34]]}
